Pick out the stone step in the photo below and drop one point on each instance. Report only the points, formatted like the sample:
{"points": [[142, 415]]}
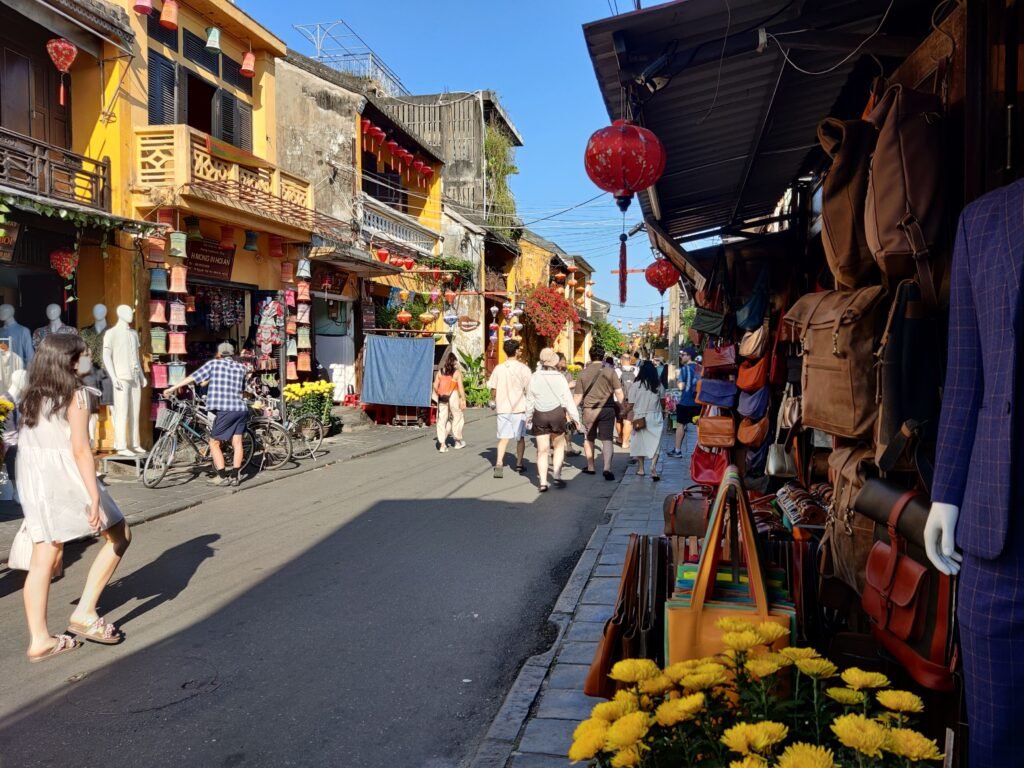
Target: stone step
{"points": [[353, 419]]}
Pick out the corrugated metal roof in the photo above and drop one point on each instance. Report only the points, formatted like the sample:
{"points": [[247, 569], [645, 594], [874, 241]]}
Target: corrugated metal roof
{"points": [[730, 157]]}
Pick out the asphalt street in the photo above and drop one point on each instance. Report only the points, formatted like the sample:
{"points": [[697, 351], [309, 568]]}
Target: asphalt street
{"points": [[373, 613]]}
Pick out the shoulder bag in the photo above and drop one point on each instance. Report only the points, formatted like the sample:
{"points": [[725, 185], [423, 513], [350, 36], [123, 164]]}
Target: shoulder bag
{"points": [[715, 429], [753, 433], [716, 392], [609, 649], [718, 359], [707, 465], [751, 314], [752, 376], [754, 405], [686, 513], [780, 458], [754, 343], [710, 317], [20, 556], [848, 534]]}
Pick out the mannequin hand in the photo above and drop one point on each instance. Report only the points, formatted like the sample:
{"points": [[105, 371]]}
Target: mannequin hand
{"points": [[118, 385], [938, 538], [144, 383]]}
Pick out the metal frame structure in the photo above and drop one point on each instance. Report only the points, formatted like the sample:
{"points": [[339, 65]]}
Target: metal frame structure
{"points": [[338, 46]]}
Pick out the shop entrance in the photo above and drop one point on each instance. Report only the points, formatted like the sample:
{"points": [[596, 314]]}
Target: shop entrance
{"points": [[222, 313]]}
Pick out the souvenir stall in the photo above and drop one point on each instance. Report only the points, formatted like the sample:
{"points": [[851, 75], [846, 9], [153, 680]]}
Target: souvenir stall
{"points": [[830, 419]]}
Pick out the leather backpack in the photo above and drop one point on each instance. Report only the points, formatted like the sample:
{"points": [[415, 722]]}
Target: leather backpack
{"points": [[848, 534], [838, 332], [903, 210], [843, 191]]}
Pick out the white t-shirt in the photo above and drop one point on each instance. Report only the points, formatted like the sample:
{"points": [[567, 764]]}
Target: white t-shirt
{"points": [[510, 381]]}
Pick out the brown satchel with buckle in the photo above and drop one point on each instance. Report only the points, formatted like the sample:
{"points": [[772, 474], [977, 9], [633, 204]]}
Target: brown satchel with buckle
{"points": [[686, 513], [715, 430], [909, 602], [848, 534]]}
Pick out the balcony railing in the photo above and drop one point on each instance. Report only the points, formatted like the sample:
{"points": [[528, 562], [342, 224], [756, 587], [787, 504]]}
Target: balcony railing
{"points": [[53, 173], [382, 222]]}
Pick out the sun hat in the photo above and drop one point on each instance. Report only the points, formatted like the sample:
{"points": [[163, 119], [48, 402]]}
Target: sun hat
{"points": [[548, 357]]}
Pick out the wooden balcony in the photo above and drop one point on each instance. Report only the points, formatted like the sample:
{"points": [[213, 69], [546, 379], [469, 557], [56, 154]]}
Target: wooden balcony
{"points": [[381, 222], [52, 173], [219, 180]]}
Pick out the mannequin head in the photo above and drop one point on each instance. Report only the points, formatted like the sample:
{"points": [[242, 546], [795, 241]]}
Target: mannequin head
{"points": [[6, 313], [53, 312], [18, 380], [99, 312], [125, 313]]}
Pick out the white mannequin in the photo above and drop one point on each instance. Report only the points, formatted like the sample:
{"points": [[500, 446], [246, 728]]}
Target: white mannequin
{"points": [[939, 540], [21, 337], [122, 363]]}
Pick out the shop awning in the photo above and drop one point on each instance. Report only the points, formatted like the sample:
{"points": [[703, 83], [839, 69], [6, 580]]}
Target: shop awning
{"points": [[349, 258], [738, 124], [89, 217]]}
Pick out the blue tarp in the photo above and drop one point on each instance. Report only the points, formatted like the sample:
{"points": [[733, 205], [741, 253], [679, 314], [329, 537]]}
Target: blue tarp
{"points": [[398, 371]]}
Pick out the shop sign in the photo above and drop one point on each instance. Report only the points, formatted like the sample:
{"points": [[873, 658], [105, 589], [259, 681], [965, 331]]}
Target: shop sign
{"points": [[207, 259], [8, 239]]}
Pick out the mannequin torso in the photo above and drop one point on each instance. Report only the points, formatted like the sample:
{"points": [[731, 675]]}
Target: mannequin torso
{"points": [[21, 339], [54, 326], [121, 353]]}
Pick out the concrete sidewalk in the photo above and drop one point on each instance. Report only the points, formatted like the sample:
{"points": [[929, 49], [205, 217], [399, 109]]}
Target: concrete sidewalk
{"points": [[533, 728], [140, 504]]}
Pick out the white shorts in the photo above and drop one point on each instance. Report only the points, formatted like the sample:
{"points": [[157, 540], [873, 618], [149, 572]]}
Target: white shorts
{"points": [[511, 426]]}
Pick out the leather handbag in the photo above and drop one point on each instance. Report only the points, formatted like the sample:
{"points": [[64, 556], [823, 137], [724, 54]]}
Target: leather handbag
{"points": [[609, 648], [780, 461], [838, 332], [707, 465], [686, 513], [716, 392], [709, 322], [754, 343], [751, 314], [753, 433], [754, 405], [848, 534], [715, 429], [789, 410], [844, 188], [909, 602], [639, 425], [693, 612], [755, 460], [719, 358], [752, 376], [710, 317]]}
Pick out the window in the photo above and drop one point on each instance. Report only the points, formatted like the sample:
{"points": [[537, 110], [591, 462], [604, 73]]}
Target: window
{"points": [[383, 184], [233, 76], [195, 51], [162, 87], [168, 37]]}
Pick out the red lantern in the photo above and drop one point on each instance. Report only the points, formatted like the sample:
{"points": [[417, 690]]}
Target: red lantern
{"points": [[450, 296], [365, 125], [417, 166], [404, 317], [169, 15], [392, 146], [624, 159], [248, 68], [662, 275], [572, 268], [63, 53], [276, 249], [378, 133], [410, 263], [64, 262], [227, 238], [383, 254]]}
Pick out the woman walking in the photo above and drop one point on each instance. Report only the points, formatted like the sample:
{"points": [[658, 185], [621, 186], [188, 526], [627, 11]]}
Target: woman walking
{"points": [[549, 408], [645, 395], [60, 495], [451, 399]]}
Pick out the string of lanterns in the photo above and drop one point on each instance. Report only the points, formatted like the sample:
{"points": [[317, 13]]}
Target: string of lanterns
{"points": [[401, 160]]}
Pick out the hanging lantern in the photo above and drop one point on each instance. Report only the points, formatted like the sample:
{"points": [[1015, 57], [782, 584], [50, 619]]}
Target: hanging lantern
{"points": [[179, 274], [450, 297], [435, 294], [383, 255], [404, 317], [624, 159], [155, 245], [178, 240], [494, 311], [403, 295], [251, 240], [426, 318], [619, 322], [493, 337], [589, 294], [303, 270], [428, 172], [378, 133], [158, 312], [165, 216], [417, 166], [392, 146], [145, 7], [158, 280], [276, 249], [227, 238], [662, 275], [169, 15], [560, 277], [450, 319], [571, 269], [213, 40], [573, 282], [493, 326], [248, 68], [62, 53], [190, 303], [364, 125], [192, 227], [287, 272], [517, 327], [435, 313], [410, 263], [397, 261]]}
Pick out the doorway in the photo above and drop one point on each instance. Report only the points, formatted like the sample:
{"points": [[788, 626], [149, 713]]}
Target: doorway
{"points": [[199, 96]]}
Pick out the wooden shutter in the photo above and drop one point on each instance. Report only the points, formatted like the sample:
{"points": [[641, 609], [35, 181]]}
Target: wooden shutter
{"points": [[244, 126], [162, 102], [226, 117], [195, 50]]}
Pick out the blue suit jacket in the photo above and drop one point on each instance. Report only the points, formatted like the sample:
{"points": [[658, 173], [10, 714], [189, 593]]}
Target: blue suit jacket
{"points": [[974, 463]]}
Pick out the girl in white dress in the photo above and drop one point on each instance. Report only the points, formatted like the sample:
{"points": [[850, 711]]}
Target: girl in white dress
{"points": [[645, 396], [60, 496]]}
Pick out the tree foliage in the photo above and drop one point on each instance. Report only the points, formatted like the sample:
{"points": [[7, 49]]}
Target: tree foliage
{"points": [[547, 310], [608, 337]]}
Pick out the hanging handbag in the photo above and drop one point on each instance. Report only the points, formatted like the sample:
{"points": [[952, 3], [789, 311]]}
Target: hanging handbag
{"points": [[752, 376], [751, 314], [780, 458], [715, 430], [718, 359], [789, 410], [716, 392], [639, 425], [753, 433], [609, 648], [754, 343], [756, 459], [20, 556], [710, 317], [707, 465], [848, 534], [754, 405], [686, 513]]}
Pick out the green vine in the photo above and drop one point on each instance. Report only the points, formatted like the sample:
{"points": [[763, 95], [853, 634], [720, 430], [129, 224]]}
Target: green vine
{"points": [[499, 154], [466, 270]]}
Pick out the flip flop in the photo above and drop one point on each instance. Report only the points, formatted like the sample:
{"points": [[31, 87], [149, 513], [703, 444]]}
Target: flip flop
{"points": [[655, 478], [99, 631], [542, 488], [609, 475], [65, 644]]}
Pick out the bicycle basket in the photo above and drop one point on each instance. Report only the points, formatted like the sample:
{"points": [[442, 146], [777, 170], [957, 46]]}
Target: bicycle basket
{"points": [[168, 419]]}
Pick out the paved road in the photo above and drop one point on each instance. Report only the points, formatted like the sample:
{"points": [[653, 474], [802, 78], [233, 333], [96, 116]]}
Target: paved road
{"points": [[373, 613]]}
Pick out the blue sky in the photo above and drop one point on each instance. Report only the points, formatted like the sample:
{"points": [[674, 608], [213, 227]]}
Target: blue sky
{"points": [[532, 53]]}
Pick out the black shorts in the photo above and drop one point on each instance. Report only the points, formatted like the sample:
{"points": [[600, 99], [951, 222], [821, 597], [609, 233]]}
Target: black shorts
{"points": [[227, 424], [686, 413], [549, 422], [599, 423]]}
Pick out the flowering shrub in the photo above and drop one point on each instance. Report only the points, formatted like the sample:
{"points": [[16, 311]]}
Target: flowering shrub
{"points": [[752, 708], [547, 310], [311, 398]]}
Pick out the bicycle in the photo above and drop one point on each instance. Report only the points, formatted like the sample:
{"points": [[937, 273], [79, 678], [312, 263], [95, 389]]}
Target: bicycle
{"points": [[306, 432], [272, 439]]}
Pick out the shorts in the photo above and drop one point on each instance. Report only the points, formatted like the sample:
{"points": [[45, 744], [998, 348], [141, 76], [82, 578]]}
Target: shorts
{"points": [[549, 422], [227, 424], [599, 423], [686, 413], [511, 426]]}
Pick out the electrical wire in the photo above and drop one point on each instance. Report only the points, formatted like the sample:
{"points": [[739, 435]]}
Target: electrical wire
{"points": [[721, 62]]}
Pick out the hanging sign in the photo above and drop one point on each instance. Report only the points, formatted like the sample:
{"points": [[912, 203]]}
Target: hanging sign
{"points": [[8, 239], [207, 259]]}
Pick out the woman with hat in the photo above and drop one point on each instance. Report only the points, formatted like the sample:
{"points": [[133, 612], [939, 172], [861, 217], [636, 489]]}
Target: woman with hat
{"points": [[549, 408]]}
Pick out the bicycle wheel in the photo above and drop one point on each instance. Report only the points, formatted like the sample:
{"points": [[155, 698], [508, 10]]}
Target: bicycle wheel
{"points": [[273, 443], [307, 435], [248, 450], [159, 460]]}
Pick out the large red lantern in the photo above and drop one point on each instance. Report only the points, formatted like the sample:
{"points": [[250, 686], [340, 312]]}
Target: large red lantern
{"points": [[624, 159], [383, 255], [662, 275], [63, 53]]}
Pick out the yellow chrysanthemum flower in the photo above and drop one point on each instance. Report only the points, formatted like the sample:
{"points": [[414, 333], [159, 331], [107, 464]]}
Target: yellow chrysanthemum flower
{"points": [[680, 710], [613, 710], [741, 641], [626, 696], [762, 667], [799, 653], [750, 761], [710, 668], [679, 670], [701, 682], [770, 632], [738, 738], [587, 745], [900, 701], [728, 624], [858, 679], [911, 745], [634, 670], [846, 696], [628, 730], [656, 685], [806, 756], [625, 758], [589, 726], [754, 737], [780, 659], [859, 733], [819, 669]]}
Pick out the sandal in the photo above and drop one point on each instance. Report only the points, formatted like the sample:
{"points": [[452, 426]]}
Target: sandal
{"points": [[64, 644], [655, 477], [99, 631], [641, 474], [542, 488], [589, 471]]}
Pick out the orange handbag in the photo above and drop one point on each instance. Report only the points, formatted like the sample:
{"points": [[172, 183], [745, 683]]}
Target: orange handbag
{"points": [[715, 429], [752, 376], [692, 614], [753, 433]]}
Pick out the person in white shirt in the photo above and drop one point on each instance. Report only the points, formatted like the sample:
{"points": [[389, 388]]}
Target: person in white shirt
{"points": [[549, 408], [508, 385]]}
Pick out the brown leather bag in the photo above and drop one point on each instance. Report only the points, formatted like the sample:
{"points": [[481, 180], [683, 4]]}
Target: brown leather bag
{"points": [[752, 376], [716, 430], [686, 513], [609, 649], [848, 534], [903, 210], [838, 333], [721, 358], [753, 433], [844, 187]]}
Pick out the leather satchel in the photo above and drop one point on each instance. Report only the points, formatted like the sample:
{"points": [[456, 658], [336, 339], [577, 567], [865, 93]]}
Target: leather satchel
{"points": [[720, 358], [753, 433], [848, 534], [909, 602], [780, 459], [752, 376], [686, 513], [754, 343], [708, 465], [716, 430], [754, 405], [716, 392], [609, 649], [709, 322]]}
